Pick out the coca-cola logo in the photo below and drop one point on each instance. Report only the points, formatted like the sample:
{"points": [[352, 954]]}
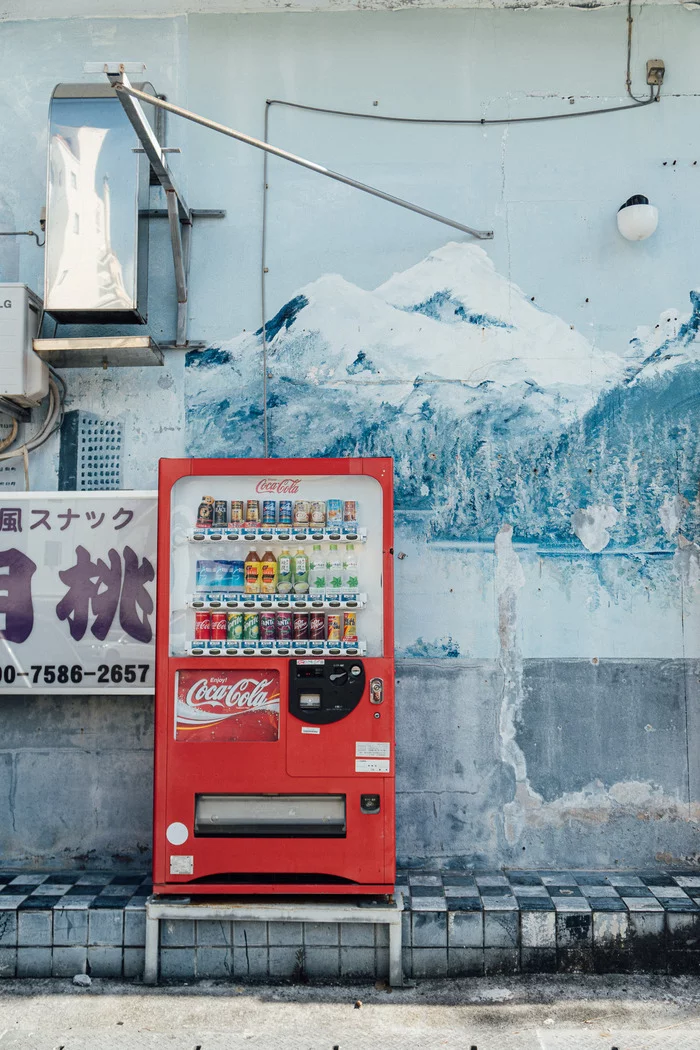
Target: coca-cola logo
{"points": [[216, 697], [283, 486]]}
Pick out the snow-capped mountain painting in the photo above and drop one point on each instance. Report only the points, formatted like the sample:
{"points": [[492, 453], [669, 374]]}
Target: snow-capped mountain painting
{"points": [[494, 410]]}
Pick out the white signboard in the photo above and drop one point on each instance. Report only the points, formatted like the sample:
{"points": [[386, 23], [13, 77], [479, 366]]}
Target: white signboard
{"points": [[77, 592]]}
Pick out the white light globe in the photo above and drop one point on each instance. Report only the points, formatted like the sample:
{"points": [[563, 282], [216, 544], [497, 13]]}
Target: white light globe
{"points": [[637, 218]]}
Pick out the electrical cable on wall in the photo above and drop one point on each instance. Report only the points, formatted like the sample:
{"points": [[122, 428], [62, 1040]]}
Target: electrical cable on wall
{"points": [[11, 437], [53, 420], [468, 122]]}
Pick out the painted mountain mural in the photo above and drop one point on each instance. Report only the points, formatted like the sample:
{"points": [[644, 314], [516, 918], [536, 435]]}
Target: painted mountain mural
{"points": [[494, 410]]}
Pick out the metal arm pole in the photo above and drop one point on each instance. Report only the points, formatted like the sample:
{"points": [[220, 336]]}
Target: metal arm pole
{"points": [[151, 145], [124, 88]]}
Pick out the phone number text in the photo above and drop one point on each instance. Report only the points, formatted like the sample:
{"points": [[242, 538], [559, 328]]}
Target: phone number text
{"points": [[63, 674]]}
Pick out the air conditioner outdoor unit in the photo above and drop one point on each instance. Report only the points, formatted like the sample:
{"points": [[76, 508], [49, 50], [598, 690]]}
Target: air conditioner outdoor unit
{"points": [[24, 378]]}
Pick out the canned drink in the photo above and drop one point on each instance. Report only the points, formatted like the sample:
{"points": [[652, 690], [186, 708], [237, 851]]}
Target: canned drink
{"points": [[251, 627], [237, 513], [218, 627], [350, 628], [285, 512], [318, 512], [202, 626], [350, 511], [317, 627], [333, 627], [284, 625], [300, 626], [234, 627], [269, 516], [220, 512], [334, 511], [268, 625], [301, 512], [205, 513], [252, 512]]}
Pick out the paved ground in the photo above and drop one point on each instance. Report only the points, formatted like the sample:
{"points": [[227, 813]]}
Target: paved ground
{"points": [[539, 1013]]}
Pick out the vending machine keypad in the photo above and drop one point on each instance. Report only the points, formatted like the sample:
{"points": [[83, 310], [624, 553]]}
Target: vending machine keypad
{"points": [[325, 691]]}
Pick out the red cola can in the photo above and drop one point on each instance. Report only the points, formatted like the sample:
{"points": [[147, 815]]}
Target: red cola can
{"points": [[317, 627], [268, 625], [284, 625], [202, 626], [219, 627], [300, 626]]}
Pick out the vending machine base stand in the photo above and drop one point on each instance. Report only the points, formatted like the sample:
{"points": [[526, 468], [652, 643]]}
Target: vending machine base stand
{"points": [[213, 889], [386, 913]]}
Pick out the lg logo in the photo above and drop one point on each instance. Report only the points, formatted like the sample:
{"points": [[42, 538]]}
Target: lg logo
{"points": [[7, 304]]}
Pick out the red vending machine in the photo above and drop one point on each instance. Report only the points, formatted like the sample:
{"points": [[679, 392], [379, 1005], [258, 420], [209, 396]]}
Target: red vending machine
{"points": [[275, 677]]}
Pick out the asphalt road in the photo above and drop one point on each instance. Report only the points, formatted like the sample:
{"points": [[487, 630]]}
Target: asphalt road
{"points": [[538, 1013]]}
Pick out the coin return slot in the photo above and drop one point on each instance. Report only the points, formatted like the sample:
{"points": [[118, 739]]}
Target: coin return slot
{"points": [[270, 816], [308, 701]]}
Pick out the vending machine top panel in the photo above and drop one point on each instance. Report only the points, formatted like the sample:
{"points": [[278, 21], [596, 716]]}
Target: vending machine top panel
{"points": [[277, 565]]}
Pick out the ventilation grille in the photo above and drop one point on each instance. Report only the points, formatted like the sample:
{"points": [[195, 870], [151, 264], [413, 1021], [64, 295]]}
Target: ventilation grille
{"points": [[91, 452]]}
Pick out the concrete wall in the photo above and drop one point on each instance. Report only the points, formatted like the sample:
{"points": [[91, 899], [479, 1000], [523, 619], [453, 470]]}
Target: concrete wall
{"points": [[539, 397]]}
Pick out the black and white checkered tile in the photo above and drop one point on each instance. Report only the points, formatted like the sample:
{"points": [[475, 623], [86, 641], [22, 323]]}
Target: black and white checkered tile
{"points": [[573, 891], [63, 889], [454, 924]]}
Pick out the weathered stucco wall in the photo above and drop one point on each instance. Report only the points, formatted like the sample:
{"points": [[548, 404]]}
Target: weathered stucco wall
{"points": [[539, 393]]}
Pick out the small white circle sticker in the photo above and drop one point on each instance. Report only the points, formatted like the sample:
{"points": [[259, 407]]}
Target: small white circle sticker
{"points": [[177, 833]]}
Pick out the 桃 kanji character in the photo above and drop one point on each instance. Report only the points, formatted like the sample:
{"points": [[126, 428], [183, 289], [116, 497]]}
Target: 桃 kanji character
{"points": [[95, 585], [135, 596]]}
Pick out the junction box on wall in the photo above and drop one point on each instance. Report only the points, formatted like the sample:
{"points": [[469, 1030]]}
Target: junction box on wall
{"points": [[24, 378]]}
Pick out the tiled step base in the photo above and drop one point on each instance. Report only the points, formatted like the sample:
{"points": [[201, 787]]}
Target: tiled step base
{"points": [[60, 924]]}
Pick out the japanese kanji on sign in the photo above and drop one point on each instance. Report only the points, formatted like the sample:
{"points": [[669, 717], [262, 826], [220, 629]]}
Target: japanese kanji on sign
{"points": [[77, 587]]}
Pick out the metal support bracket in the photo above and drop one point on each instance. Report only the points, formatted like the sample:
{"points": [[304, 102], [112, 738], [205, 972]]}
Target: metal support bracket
{"points": [[179, 216], [134, 111], [131, 98], [123, 87]]}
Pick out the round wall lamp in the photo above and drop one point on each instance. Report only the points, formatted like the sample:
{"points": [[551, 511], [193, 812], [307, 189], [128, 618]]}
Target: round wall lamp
{"points": [[637, 218]]}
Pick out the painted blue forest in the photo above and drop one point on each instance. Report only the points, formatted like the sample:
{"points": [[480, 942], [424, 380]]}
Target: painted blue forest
{"points": [[493, 410]]}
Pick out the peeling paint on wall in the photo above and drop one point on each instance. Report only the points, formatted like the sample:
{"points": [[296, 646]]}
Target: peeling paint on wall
{"points": [[592, 525]]}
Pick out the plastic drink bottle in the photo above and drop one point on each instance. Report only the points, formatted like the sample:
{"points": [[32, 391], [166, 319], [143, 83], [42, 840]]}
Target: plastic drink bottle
{"points": [[252, 570], [334, 579], [269, 573], [317, 572], [284, 572], [301, 572], [351, 583]]}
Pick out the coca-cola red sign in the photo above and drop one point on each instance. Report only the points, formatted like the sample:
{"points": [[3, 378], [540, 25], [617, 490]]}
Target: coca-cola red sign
{"points": [[227, 705], [282, 486]]}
